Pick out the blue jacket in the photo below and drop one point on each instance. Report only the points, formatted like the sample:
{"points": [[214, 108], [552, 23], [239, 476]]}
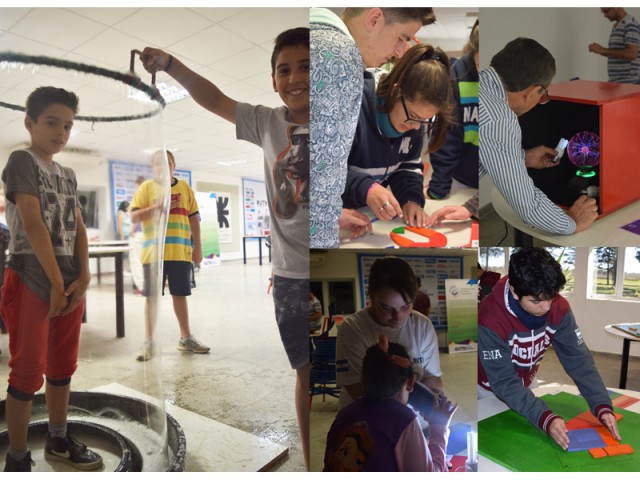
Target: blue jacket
{"points": [[459, 158], [390, 161]]}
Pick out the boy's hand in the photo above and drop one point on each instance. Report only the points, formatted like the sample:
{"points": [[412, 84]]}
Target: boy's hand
{"points": [[414, 215], [383, 204], [75, 293], [443, 410], [57, 302], [609, 421], [196, 256], [558, 431], [154, 60]]}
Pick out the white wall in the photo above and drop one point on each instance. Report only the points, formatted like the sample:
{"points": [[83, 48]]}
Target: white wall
{"points": [[593, 314], [343, 265], [565, 32], [92, 173]]}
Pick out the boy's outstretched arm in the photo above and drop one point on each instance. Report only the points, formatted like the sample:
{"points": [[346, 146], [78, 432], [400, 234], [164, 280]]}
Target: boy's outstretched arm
{"points": [[40, 241], [78, 287], [201, 90]]}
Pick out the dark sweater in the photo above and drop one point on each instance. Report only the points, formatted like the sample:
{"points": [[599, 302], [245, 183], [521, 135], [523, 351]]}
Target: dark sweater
{"points": [[459, 158], [393, 162]]}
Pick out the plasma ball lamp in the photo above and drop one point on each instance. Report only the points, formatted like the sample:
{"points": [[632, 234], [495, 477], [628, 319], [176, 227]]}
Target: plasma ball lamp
{"points": [[584, 152]]}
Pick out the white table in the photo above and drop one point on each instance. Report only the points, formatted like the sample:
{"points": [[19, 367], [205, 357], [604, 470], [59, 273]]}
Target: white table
{"points": [[458, 232], [488, 407], [604, 232], [117, 252], [626, 344]]}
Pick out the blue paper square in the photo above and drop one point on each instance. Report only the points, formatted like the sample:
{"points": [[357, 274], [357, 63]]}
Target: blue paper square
{"points": [[584, 439]]}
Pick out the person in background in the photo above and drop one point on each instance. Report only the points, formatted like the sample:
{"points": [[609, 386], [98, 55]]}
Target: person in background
{"points": [[183, 222], [315, 313], [422, 303], [124, 221], [486, 281], [459, 158], [623, 64]]}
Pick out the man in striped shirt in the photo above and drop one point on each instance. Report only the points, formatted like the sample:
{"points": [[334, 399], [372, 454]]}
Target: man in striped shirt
{"points": [[624, 41], [517, 81]]}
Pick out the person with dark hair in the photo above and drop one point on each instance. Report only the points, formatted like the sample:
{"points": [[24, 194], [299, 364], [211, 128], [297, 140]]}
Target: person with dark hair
{"points": [[45, 282], [183, 228], [283, 134], [386, 152], [378, 432], [516, 81], [123, 221], [341, 48], [486, 281], [520, 319], [623, 64], [392, 290], [422, 303], [458, 158]]}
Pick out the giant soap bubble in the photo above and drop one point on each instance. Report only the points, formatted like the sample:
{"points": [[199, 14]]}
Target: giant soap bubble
{"points": [[116, 133]]}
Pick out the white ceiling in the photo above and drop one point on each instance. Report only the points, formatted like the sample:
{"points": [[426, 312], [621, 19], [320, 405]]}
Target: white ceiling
{"points": [[230, 46]]}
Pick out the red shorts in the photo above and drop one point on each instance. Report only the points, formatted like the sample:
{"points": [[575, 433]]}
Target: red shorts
{"points": [[37, 346]]}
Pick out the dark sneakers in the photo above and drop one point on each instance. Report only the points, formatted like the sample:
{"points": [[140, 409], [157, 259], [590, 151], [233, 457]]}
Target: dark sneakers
{"points": [[72, 452], [12, 465]]}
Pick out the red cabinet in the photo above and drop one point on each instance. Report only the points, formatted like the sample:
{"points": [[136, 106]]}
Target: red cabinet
{"points": [[611, 110]]}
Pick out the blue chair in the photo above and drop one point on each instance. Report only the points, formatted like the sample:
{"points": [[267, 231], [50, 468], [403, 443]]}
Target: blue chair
{"points": [[323, 365]]}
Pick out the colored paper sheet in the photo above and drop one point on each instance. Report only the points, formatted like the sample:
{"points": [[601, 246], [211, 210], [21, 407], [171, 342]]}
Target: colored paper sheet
{"points": [[511, 441], [584, 439], [633, 227], [458, 439]]}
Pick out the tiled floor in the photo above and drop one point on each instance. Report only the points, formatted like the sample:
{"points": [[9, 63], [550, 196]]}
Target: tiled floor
{"points": [[245, 381]]}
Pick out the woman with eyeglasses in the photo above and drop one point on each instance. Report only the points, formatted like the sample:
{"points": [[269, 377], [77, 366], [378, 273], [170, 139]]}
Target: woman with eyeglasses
{"points": [[394, 118]]}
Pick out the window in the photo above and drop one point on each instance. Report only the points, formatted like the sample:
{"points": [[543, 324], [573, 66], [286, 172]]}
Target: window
{"points": [[615, 273], [631, 274], [496, 259]]}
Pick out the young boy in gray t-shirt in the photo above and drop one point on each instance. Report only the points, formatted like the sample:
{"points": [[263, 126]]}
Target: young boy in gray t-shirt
{"points": [[283, 134]]}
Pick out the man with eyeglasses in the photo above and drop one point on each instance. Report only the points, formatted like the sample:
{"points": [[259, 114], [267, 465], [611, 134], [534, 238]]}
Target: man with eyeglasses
{"points": [[623, 63], [516, 81], [518, 321]]}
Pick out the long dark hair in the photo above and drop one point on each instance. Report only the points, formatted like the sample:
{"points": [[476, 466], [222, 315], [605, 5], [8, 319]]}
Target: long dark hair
{"points": [[421, 75]]}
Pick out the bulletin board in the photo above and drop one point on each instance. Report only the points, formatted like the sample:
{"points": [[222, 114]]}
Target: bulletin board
{"points": [[123, 181], [510, 440], [433, 271], [257, 218]]}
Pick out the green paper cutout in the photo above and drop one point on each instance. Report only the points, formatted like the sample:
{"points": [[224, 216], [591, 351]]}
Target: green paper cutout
{"points": [[511, 441]]}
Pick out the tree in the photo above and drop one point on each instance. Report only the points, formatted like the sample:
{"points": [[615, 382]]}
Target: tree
{"points": [[489, 252], [606, 260]]}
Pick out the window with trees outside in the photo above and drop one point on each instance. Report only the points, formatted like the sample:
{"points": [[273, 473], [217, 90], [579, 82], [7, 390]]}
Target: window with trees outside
{"points": [[496, 259], [615, 273]]}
